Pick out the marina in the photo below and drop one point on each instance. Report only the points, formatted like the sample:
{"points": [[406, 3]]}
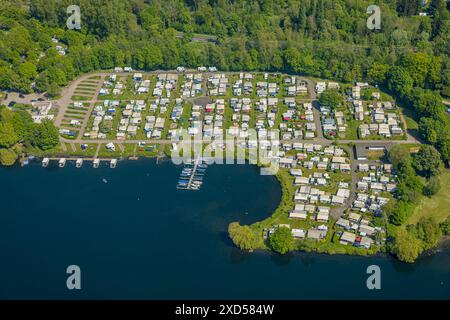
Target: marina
{"points": [[191, 177]]}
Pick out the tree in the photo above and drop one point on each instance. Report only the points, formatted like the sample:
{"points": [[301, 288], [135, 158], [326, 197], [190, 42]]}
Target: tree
{"points": [[407, 7], [7, 157], [153, 57], [8, 136], [427, 161], [417, 65], [330, 98], [432, 187], [293, 59], [53, 90], [430, 129], [400, 37], [23, 124], [27, 70], [398, 212], [427, 230], [440, 16], [377, 72], [399, 156], [445, 226], [410, 186], [242, 236], [282, 240], [405, 246], [428, 104], [45, 135], [400, 81]]}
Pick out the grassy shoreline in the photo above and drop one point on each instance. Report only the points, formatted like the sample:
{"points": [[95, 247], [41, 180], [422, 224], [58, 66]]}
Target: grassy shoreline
{"points": [[329, 245]]}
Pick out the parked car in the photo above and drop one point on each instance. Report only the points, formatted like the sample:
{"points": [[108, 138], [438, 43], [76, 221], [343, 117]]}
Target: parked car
{"points": [[11, 104]]}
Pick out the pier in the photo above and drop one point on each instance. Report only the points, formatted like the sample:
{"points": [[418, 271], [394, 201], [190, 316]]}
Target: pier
{"points": [[191, 177]]}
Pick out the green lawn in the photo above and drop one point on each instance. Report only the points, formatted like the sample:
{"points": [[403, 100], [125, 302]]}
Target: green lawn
{"points": [[375, 154], [436, 206], [411, 124], [80, 98]]}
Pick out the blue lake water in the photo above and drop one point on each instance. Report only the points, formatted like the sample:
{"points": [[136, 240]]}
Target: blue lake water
{"points": [[138, 237]]}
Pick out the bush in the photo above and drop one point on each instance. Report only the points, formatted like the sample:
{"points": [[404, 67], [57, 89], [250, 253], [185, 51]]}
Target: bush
{"points": [[432, 187], [445, 227], [398, 212]]}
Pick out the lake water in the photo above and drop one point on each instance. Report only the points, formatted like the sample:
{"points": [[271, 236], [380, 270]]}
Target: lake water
{"points": [[137, 236]]}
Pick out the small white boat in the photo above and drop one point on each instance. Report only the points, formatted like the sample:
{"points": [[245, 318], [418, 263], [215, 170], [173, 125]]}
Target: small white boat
{"points": [[45, 162], [113, 163], [62, 162], [96, 163], [79, 163]]}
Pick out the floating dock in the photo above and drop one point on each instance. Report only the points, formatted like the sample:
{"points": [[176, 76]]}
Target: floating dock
{"points": [[45, 162], [62, 162], [78, 162], [191, 177]]}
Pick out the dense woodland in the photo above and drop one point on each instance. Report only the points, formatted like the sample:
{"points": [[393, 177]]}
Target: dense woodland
{"points": [[329, 39]]}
